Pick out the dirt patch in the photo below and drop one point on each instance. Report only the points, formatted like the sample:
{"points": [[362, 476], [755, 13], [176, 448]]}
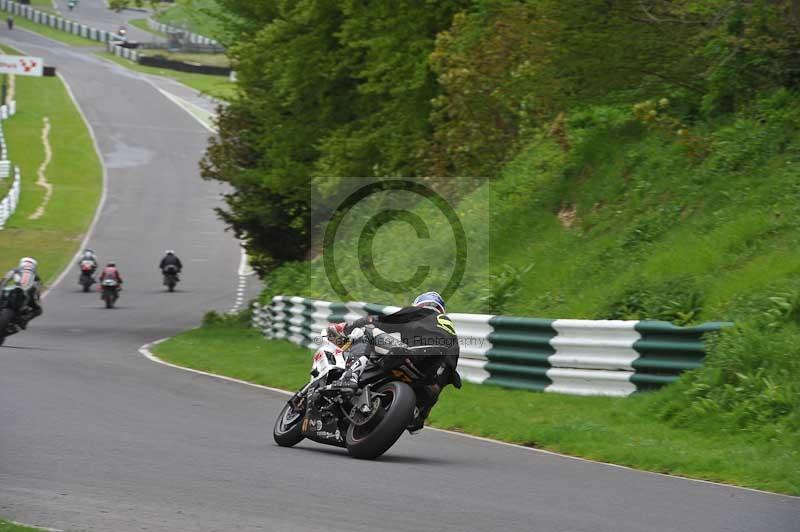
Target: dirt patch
{"points": [[568, 215]]}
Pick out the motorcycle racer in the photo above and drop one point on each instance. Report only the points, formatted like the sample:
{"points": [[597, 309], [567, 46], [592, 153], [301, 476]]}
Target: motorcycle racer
{"points": [[423, 324], [27, 278], [111, 272]]}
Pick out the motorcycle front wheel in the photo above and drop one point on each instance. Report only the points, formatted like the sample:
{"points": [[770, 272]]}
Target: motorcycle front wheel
{"points": [[288, 427], [369, 441]]}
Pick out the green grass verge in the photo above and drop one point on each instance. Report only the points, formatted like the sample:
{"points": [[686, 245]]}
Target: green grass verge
{"points": [[74, 171], [220, 60], [5, 526], [216, 86], [52, 33], [43, 5], [193, 15], [621, 431], [141, 23]]}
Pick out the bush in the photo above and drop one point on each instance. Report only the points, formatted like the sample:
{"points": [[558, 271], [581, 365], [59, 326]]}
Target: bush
{"points": [[750, 381]]}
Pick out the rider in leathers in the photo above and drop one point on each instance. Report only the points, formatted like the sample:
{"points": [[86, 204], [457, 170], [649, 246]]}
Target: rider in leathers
{"points": [[26, 276], [170, 259], [422, 324]]}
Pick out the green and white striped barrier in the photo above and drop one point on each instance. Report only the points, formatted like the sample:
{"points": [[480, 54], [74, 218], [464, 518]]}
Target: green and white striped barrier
{"points": [[194, 38], [55, 21], [577, 357]]}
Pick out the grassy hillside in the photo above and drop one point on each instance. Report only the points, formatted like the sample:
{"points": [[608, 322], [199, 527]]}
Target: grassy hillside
{"points": [[616, 216], [195, 15], [630, 221]]}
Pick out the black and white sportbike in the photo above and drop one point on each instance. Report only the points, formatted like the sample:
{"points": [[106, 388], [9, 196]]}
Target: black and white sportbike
{"points": [[15, 310], [368, 414]]}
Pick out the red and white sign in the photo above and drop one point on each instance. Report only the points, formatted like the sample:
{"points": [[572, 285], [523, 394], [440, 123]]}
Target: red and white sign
{"points": [[21, 65]]}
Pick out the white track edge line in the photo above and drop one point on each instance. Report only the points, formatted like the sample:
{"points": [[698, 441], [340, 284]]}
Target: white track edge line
{"points": [[48, 529], [145, 351], [183, 104]]}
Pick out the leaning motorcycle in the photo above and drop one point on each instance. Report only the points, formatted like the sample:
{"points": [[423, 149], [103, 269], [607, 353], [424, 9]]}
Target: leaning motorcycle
{"points": [[170, 276], [13, 305], [366, 420], [87, 275], [110, 292]]}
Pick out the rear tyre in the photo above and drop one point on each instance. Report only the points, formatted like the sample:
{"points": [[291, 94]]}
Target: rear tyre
{"points": [[288, 427], [372, 440], [109, 299], [171, 286], [6, 316], [86, 287]]}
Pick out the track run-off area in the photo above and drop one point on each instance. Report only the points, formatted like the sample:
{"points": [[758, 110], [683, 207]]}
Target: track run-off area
{"points": [[95, 436]]}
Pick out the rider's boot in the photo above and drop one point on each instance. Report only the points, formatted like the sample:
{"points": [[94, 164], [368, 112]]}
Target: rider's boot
{"points": [[349, 379]]}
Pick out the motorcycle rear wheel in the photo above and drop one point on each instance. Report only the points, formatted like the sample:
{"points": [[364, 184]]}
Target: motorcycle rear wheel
{"points": [[109, 299], [6, 316], [372, 440], [288, 427]]}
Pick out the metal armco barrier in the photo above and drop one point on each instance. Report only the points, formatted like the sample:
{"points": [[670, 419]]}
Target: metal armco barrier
{"points": [[577, 357], [195, 38], [121, 51], [54, 21], [9, 203]]}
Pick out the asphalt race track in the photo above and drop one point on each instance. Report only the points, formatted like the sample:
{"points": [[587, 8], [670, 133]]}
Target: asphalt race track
{"points": [[95, 13], [93, 436]]}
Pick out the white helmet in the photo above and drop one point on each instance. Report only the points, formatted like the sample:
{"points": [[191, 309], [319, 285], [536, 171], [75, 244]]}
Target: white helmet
{"points": [[28, 262], [170, 252]]}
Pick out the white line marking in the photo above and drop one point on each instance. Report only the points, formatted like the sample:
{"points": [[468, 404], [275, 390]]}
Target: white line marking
{"points": [[36, 526], [145, 350], [187, 106], [103, 192], [244, 265]]}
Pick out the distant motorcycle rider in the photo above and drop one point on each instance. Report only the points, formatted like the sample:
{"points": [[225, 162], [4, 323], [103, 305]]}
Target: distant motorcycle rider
{"points": [[424, 324], [26, 277], [170, 259], [88, 257], [111, 272]]}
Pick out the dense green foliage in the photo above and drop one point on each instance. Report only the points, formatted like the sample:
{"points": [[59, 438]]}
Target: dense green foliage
{"points": [[643, 161], [344, 88]]}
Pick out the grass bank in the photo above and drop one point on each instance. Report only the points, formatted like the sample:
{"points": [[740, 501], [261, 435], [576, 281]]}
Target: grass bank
{"points": [[215, 86], [623, 431], [195, 16], [141, 23], [220, 60], [75, 173], [6, 526]]}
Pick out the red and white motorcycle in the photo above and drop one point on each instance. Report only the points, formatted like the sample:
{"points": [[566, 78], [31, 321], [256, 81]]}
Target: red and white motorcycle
{"points": [[86, 279]]}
